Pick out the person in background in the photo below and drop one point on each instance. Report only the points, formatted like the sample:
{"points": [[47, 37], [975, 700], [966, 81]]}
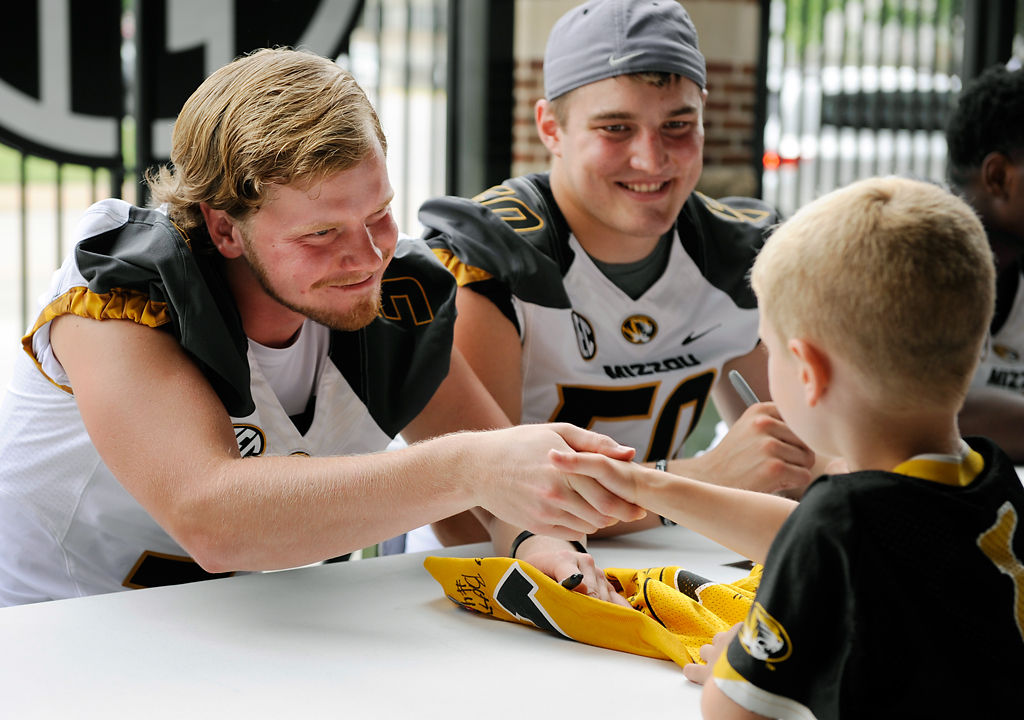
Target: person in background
{"points": [[608, 292], [985, 136], [207, 385], [878, 575]]}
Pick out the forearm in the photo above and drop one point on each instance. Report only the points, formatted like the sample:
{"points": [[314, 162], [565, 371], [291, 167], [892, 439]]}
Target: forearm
{"points": [[686, 467], [278, 512], [502, 534], [338, 504], [460, 529], [741, 520]]}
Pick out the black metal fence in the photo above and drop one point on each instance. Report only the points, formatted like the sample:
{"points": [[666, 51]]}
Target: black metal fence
{"points": [[863, 87], [397, 49]]}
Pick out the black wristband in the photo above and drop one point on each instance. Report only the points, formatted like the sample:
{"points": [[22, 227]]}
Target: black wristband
{"points": [[519, 541], [663, 466], [525, 534]]}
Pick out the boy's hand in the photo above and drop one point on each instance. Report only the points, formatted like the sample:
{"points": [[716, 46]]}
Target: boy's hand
{"points": [[615, 475], [700, 674], [760, 453]]}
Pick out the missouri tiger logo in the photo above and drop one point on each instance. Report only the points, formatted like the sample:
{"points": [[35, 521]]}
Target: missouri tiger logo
{"points": [[584, 336], [251, 440], [1006, 353], [763, 637], [639, 329]]}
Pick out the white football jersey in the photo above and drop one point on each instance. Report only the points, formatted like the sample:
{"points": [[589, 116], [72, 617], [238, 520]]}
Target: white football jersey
{"points": [[1002, 360], [67, 526], [638, 370]]}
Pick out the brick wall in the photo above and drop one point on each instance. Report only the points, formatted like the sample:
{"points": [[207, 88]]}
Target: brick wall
{"points": [[729, 126], [528, 152]]}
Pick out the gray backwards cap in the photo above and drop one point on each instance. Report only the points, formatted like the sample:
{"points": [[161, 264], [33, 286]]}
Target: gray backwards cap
{"points": [[604, 38]]}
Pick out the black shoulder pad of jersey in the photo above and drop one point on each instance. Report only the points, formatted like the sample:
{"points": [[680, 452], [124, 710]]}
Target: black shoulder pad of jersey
{"points": [[396, 363], [149, 255], [513, 233], [723, 237]]}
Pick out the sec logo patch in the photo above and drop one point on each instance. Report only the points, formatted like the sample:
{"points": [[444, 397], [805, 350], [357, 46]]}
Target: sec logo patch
{"points": [[584, 336], [251, 440]]}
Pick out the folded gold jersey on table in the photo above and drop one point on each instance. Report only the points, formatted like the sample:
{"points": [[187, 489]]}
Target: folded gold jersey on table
{"points": [[674, 611]]}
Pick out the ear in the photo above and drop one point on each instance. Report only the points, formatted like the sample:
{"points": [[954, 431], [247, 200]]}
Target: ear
{"points": [[997, 175], [548, 129], [224, 231], [814, 368]]}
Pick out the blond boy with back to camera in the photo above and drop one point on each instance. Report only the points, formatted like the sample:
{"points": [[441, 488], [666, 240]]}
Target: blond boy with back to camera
{"points": [[875, 301]]}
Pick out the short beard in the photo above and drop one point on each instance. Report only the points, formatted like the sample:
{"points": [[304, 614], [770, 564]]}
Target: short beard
{"points": [[355, 318]]}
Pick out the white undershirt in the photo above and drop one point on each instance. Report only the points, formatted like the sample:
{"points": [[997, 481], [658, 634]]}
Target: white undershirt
{"points": [[292, 371]]}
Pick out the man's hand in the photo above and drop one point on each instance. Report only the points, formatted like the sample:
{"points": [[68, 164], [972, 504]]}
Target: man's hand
{"points": [[559, 560], [759, 452], [700, 674], [520, 484]]}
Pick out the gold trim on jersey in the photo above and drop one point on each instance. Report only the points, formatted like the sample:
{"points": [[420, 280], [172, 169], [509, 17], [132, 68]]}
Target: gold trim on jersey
{"points": [[159, 569], [730, 213], [184, 235], [946, 472], [997, 544], [118, 304], [464, 274], [501, 201], [405, 293], [494, 191]]}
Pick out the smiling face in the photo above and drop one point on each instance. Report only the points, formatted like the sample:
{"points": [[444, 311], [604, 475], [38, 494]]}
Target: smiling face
{"points": [[321, 250], [624, 161]]}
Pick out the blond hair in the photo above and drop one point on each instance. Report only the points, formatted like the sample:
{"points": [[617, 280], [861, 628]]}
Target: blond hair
{"points": [[893, 275], [274, 116]]}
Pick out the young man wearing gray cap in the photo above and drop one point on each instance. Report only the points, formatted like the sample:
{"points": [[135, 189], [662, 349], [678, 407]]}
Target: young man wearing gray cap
{"points": [[607, 292]]}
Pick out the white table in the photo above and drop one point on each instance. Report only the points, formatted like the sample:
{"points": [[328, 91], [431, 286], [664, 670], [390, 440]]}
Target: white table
{"points": [[373, 638]]}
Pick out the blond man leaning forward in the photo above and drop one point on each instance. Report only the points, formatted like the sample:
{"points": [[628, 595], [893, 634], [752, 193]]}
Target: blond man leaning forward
{"points": [[205, 388]]}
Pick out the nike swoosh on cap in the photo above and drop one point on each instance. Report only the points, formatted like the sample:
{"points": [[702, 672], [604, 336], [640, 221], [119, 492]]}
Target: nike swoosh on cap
{"points": [[613, 61]]}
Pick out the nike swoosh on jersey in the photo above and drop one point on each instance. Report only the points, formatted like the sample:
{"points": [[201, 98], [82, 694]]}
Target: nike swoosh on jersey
{"points": [[692, 338], [613, 61]]}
